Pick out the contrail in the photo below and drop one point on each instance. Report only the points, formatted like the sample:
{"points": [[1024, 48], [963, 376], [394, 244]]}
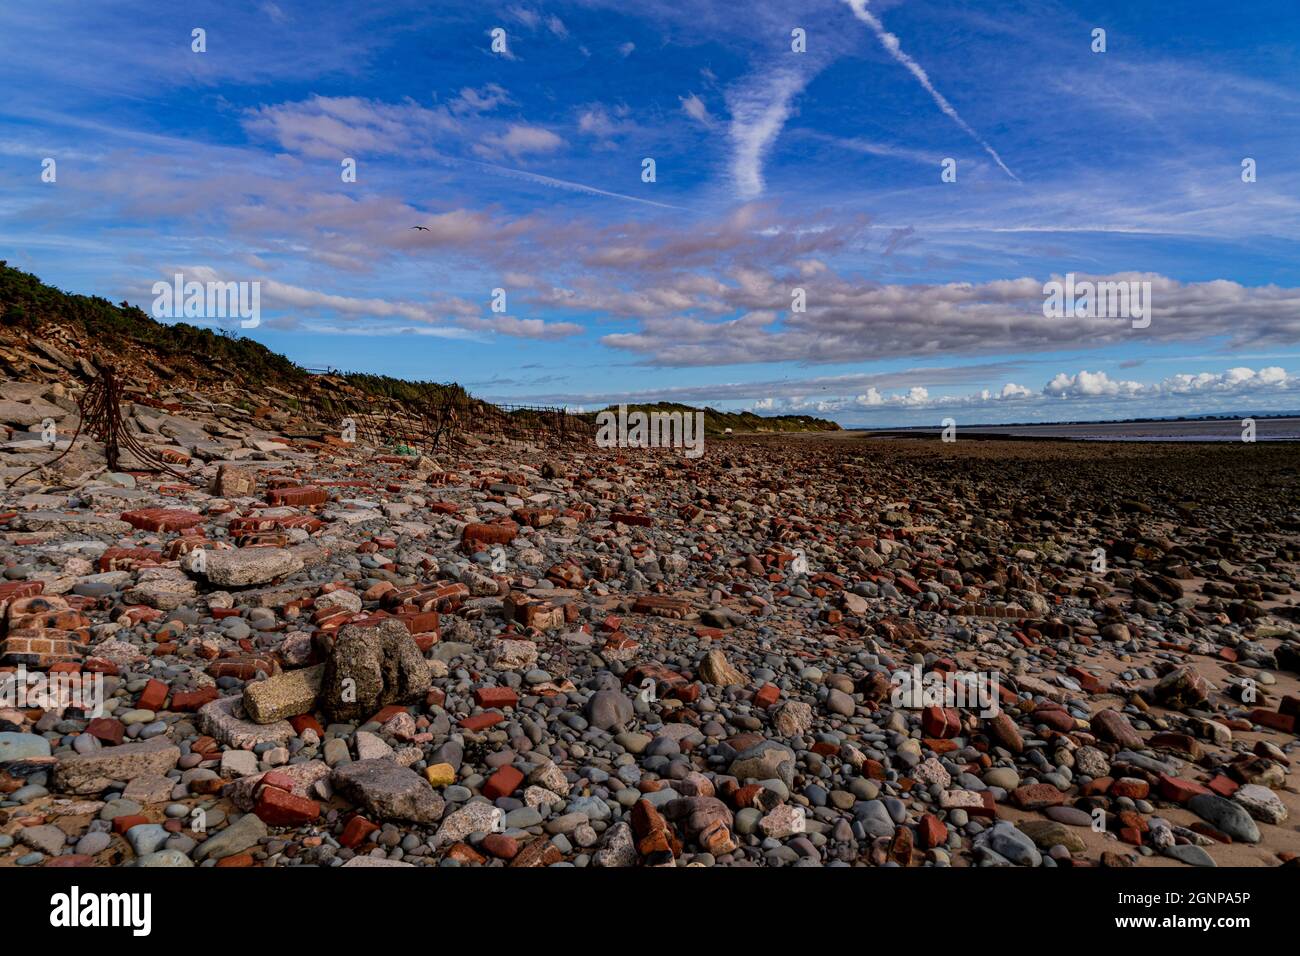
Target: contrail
{"points": [[891, 44], [566, 184]]}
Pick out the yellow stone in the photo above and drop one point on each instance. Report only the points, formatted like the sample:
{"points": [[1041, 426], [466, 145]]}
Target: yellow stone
{"points": [[440, 775]]}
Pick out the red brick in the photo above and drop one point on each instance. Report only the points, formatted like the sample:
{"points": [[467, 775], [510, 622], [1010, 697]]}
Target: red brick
{"points": [[501, 532], [385, 714], [1097, 787], [1056, 719], [128, 559], [907, 585], [661, 605], [276, 779], [12, 590], [1130, 787], [501, 697], [356, 831], [236, 861], [661, 675], [1131, 835], [421, 622], [940, 722], [932, 832], [162, 519], [465, 854], [640, 521], [279, 808], [1273, 720], [194, 699], [304, 722], [482, 721], [1035, 796], [107, 729], [154, 695], [127, 821], [1224, 786], [540, 852], [688, 694], [1177, 790], [500, 846], [299, 497], [502, 783]]}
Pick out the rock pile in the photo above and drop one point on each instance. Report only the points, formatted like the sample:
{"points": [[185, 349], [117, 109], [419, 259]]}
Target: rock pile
{"points": [[324, 653]]}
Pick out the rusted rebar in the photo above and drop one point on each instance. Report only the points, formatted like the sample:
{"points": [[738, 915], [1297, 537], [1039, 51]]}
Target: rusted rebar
{"points": [[100, 413]]}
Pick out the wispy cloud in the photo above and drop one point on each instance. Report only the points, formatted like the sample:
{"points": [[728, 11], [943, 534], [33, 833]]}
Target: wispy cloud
{"points": [[759, 109], [325, 126], [694, 107]]}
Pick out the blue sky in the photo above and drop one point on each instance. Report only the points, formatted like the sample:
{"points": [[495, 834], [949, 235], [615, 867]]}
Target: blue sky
{"points": [[775, 171]]}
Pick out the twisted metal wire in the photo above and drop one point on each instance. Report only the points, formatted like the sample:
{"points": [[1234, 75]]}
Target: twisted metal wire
{"points": [[100, 413]]}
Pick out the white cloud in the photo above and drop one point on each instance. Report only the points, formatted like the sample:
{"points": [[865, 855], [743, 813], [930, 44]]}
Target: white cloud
{"points": [[528, 18], [1093, 393], [519, 140], [521, 328], [334, 127], [1087, 385], [482, 100], [694, 108], [595, 120], [1233, 380]]}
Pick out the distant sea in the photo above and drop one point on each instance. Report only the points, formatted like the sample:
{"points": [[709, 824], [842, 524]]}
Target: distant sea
{"points": [[1266, 429]]}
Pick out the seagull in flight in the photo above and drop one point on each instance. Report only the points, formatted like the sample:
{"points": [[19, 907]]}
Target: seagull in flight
{"points": [[425, 228]]}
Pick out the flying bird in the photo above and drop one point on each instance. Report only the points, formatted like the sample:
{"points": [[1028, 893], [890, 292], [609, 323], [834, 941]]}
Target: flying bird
{"points": [[425, 228]]}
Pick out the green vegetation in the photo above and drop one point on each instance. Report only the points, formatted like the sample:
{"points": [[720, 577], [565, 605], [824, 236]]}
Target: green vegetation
{"points": [[386, 386], [717, 422], [28, 303]]}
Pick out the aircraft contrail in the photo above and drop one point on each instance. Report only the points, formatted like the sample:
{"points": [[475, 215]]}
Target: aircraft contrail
{"points": [[894, 48]]}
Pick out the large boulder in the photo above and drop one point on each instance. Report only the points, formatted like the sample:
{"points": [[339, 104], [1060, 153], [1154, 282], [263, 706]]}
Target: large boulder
{"points": [[225, 721], [245, 566], [388, 791], [371, 667], [717, 670], [1226, 816], [1181, 688], [608, 709], [99, 770], [767, 760], [287, 694]]}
